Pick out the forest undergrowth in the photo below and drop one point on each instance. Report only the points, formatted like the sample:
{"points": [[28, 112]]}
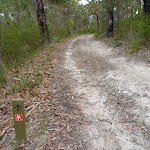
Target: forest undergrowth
{"points": [[134, 33]]}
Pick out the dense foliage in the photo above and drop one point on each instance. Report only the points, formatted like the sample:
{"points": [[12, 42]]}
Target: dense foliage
{"points": [[20, 34], [21, 25], [131, 21]]}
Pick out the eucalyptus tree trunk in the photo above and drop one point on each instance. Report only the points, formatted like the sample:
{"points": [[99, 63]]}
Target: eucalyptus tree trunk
{"points": [[1, 49], [109, 19], [118, 15], [147, 7], [67, 19], [131, 8], [140, 4], [98, 23], [41, 18]]}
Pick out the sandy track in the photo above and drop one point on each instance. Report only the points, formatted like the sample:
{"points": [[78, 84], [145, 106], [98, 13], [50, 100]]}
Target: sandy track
{"points": [[114, 92]]}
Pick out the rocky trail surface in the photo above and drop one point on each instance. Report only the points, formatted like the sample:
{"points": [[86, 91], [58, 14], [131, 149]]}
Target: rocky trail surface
{"points": [[114, 93]]}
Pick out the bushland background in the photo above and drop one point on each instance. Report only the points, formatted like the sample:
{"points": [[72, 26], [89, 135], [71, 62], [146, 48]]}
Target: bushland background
{"points": [[26, 25]]}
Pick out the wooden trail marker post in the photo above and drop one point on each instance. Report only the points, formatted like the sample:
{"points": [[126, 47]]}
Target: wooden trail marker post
{"points": [[19, 120]]}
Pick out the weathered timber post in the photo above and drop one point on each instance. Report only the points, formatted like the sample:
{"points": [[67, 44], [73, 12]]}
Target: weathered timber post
{"points": [[19, 120]]}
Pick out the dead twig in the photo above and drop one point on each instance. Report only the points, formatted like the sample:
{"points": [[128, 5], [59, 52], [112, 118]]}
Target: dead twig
{"points": [[54, 129], [69, 115], [50, 138], [4, 131], [28, 108], [3, 106], [32, 109]]}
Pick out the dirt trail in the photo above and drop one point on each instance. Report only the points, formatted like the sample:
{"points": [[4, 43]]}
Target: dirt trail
{"points": [[114, 91]]}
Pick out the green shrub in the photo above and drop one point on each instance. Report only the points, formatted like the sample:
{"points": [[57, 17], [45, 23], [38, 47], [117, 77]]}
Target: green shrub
{"points": [[28, 84], [56, 39], [3, 72], [136, 31], [117, 43], [20, 40]]}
